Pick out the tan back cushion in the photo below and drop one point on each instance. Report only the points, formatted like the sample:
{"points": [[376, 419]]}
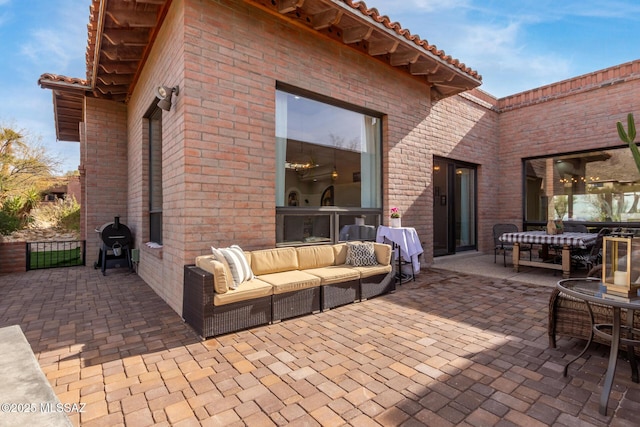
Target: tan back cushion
{"points": [[340, 253], [315, 256], [383, 253], [277, 260], [221, 277]]}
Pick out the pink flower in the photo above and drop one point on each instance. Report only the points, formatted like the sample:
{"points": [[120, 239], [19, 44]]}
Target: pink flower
{"points": [[395, 213]]}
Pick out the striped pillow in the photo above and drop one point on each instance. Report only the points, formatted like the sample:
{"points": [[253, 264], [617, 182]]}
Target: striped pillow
{"points": [[238, 264]]}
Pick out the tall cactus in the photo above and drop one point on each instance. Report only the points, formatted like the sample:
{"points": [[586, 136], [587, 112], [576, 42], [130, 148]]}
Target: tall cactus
{"points": [[629, 138]]}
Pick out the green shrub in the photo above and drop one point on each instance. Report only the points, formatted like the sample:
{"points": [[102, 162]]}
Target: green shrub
{"points": [[70, 218], [13, 206], [9, 223]]}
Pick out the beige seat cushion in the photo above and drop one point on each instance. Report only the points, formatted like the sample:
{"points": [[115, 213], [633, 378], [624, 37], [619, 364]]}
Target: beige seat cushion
{"points": [[334, 274], [222, 279], [270, 261], [315, 256], [290, 281], [373, 270], [250, 289]]}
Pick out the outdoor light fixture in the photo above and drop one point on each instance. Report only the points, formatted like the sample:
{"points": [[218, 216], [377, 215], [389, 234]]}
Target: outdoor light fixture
{"points": [[164, 94], [618, 273]]}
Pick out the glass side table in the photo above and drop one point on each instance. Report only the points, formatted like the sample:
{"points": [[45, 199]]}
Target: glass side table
{"points": [[590, 291]]}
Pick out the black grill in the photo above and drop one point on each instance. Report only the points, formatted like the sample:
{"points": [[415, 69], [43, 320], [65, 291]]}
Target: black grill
{"points": [[115, 248]]}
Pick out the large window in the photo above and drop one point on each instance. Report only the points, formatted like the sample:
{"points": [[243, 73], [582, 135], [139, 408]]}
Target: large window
{"points": [[155, 176], [328, 169], [591, 187]]}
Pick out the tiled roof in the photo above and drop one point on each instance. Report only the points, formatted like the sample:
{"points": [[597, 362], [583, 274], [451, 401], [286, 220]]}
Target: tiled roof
{"points": [[120, 33], [68, 99], [365, 29]]}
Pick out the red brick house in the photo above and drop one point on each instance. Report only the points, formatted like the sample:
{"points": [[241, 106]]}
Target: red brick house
{"points": [[282, 121]]}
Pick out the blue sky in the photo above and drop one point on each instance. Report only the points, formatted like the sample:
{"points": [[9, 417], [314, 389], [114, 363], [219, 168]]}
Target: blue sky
{"points": [[514, 44]]}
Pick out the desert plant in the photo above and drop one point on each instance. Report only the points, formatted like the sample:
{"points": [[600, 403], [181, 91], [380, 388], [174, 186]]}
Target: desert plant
{"points": [[629, 137], [70, 215], [63, 213], [9, 223]]}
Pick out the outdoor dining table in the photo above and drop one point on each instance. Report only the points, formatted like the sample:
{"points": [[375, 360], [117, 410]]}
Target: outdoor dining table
{"points": [[566, 240]]}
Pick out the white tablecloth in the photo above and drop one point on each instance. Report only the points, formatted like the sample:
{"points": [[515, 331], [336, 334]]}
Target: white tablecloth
{"points": [[406, 238]]}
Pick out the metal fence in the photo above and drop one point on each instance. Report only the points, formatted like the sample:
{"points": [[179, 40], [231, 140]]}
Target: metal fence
{"points": [[55, 254]]}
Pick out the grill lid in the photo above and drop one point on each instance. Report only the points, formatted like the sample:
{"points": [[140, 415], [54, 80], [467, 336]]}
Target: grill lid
{"points": [[115, 232]]}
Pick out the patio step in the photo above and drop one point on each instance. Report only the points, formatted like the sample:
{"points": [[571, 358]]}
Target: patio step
{"points": [[26, 396]]}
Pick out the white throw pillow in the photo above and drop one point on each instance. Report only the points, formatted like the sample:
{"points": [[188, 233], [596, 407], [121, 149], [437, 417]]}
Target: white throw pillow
{"points": [[238, 264]]}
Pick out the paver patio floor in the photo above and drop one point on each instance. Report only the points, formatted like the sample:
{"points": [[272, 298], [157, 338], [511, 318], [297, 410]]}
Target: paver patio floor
{"points": [[448, 349]]}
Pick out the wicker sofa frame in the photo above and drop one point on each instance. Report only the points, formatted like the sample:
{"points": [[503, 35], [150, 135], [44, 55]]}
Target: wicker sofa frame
{"points": [[297, 303], [209, 320], [569, 317]]}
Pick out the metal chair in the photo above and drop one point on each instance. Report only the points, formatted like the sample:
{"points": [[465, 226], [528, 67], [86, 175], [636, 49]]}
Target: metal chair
{"points": [[499, 230], [589, 258]]}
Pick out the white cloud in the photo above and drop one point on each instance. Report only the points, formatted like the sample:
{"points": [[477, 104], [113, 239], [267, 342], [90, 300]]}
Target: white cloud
{"points": [[61, 44]]}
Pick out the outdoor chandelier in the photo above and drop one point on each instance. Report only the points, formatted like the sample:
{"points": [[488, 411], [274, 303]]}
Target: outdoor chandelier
{"points": [[164, 94], [334, 174]]}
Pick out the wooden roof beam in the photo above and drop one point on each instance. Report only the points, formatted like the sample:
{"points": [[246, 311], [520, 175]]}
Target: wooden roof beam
{"points": [[323, 20], [118, 68], [126, 18], [115, 79], [382, 47], [286, 6], [126, 54], [126, 38], [356, 34], [404, 58], [423, 68]]}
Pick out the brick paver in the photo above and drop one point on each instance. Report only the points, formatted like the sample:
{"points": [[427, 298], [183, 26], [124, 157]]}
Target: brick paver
{"points": [[447, 349]]}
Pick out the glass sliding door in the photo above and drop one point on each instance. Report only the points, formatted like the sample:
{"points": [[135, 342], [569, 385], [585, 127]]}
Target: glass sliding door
{"points": [[464, 207], [441, 214], [454, 207]]}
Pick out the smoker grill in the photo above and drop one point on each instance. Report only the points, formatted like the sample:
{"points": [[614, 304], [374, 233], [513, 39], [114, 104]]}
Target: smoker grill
{"points": [[115, 247]]}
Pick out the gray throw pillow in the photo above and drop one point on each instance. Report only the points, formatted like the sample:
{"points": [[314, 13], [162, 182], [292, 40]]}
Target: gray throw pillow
{"points": [[361, 254]]}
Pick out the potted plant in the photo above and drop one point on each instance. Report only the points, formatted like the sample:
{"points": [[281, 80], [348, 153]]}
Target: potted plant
{"points": [[395, 220]]}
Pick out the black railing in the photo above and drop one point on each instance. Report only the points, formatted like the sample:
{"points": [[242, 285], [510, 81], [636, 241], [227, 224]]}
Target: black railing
{"points": [[55, 254]]}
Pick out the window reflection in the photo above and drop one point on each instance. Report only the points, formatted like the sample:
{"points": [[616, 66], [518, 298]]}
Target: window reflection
{"points": [[596, 186], [328, 164], [326, 155]]}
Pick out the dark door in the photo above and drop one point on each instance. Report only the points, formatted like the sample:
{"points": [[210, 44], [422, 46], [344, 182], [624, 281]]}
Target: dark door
{"points": [[454, 207]]}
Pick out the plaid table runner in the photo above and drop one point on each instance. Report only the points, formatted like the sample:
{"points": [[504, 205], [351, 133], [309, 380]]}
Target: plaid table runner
{"points": [[579, 240]]}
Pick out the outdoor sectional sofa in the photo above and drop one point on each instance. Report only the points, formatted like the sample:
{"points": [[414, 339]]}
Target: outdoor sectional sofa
{"points": [[288, 282]]}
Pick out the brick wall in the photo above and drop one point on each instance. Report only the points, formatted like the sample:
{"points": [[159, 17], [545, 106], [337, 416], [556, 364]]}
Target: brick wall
{"points": [[13, 257], [162, 269], [230, 119], [218, 139], [219, 144], [103, 169], [569, 116]]}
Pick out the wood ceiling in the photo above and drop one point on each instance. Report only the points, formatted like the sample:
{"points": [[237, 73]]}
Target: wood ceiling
{"points": [[121, 32]]}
